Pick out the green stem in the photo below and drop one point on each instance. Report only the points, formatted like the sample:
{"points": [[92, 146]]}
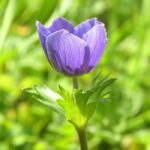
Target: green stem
{"points": [[81, 131], [82, 139], [75, 83]]}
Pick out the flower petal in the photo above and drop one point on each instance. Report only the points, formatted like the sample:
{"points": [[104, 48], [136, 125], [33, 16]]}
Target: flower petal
{"points": [[96, 39], [72, 53], [85, 26], [58, 24], [43, 33], [61, 23]]}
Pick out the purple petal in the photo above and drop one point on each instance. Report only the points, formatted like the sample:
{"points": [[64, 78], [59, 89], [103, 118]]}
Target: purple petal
{"points": [[72, 53], [43, 33], [61, 23], [96, 39], [85, 26], [58, 24]]}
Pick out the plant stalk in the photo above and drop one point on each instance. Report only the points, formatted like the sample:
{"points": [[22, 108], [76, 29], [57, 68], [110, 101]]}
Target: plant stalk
{"points": [[82, 139], [81, 131], [75, 82]]}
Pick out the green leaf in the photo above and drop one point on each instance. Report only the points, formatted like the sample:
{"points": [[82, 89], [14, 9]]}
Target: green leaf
{"points": [[67, 100], [90, 109], [81, 98], [103, 78], [77, 105], [97, 94], [96, 77], [73, 103], [97, 90], [47, 97]]}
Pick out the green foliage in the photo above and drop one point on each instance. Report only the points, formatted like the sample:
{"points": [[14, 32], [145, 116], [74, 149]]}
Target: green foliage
{"points": [[122, 123], [78, 105], [47, 97]]}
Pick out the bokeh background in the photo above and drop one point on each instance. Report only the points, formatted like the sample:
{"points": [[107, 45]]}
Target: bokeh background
{"points": [[121, 124]]}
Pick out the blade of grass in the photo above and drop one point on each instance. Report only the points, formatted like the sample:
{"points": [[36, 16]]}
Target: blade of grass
{"points": [[7, 21]]}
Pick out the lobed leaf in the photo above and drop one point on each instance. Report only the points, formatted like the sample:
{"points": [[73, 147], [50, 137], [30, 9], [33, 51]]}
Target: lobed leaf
{"points": [[47, 97]]}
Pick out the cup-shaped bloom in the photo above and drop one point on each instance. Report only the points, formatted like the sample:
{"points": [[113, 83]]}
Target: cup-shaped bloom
{"points": [[73, 50]]}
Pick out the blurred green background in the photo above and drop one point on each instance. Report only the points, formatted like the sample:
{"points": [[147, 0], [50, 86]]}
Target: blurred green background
{"points": [[121, 124]]}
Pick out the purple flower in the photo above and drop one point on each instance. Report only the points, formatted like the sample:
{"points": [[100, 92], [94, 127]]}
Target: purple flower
{"points": [[73, 50]]}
